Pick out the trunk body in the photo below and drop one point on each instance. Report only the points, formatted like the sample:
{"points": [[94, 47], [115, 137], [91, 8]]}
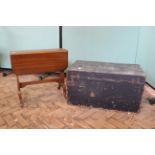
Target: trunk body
{"points": [[107, 85]]}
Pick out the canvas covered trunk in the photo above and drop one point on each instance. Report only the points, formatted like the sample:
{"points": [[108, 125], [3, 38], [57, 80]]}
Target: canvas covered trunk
{"points": [[107, 85]]}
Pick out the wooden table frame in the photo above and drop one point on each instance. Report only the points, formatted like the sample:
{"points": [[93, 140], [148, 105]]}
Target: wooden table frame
{"points": [[39, 61]]}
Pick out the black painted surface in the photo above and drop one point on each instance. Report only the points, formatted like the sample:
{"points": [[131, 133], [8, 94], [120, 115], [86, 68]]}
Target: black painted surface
{"points": [[107, 85], [60, 36]]}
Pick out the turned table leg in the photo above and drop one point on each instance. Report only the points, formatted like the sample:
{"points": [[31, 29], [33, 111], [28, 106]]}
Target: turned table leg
{"points": [[19, 93]]}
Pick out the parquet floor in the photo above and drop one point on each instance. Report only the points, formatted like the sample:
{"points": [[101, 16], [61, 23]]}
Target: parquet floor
{"points": [[45, 107]]}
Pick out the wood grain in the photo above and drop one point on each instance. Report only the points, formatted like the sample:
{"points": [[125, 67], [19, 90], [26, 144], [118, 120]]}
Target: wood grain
{"points": [[39, 61]]}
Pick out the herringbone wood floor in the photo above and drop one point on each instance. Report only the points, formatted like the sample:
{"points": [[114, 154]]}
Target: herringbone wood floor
{"points": [[45, 107]]}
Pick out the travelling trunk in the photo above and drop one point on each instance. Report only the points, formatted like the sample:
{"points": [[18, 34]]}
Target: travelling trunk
{"points": [[107, 85]]}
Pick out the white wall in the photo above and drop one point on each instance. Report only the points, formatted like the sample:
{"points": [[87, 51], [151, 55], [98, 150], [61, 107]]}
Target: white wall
{"points": [[100, 43]]}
